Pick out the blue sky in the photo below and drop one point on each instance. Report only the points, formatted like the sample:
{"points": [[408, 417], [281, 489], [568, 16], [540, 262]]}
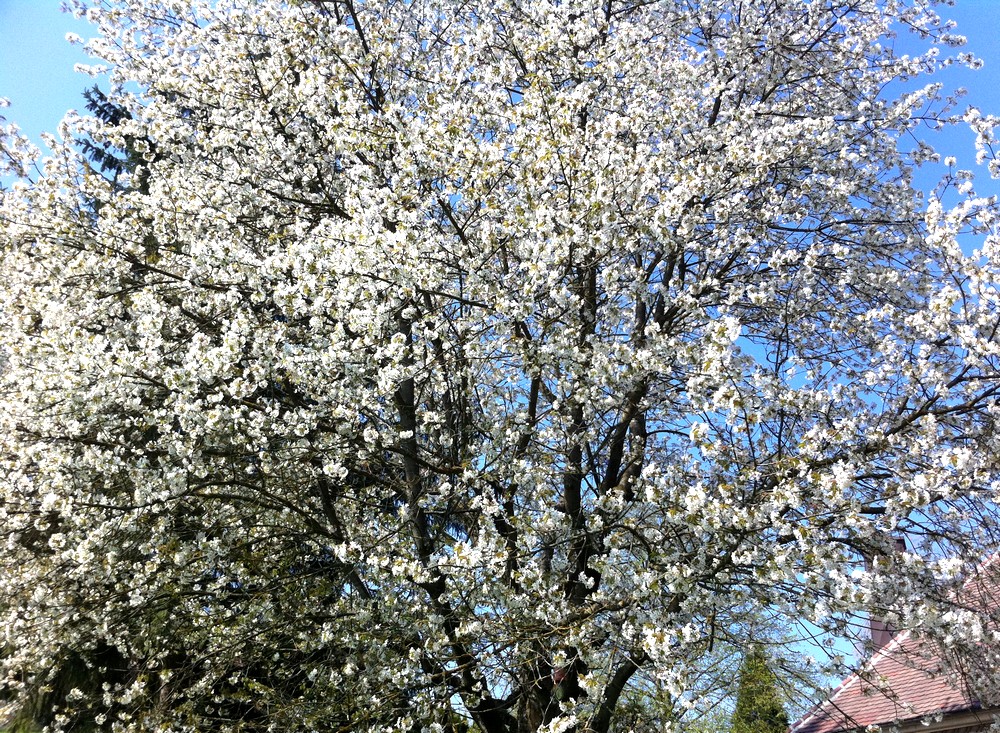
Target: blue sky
{"points": [[36, 63]]}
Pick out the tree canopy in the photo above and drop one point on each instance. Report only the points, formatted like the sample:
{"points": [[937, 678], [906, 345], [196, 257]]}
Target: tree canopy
{"points": [[758, 703], [440, 365]]}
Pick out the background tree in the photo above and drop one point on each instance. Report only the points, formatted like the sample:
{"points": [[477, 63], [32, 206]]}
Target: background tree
{"points": [[491, 363], [112, 161], [758, 704]]}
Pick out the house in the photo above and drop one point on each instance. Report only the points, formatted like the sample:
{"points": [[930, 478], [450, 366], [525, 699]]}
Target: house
{"points": [[909, 684]]}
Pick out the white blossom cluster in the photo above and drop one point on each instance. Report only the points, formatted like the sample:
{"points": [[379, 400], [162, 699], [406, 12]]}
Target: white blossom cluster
{"points": [[438, 364]]}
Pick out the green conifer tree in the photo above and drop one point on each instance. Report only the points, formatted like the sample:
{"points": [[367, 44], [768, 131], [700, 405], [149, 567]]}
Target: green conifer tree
{"points": [[758, 704]]}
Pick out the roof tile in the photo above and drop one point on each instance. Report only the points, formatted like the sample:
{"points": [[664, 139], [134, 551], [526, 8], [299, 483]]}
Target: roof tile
{"points": [[907, 678]]}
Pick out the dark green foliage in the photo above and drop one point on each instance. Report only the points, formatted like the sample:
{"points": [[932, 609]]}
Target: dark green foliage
{"points": [[111, 161], [116, 162], [758, 704]]}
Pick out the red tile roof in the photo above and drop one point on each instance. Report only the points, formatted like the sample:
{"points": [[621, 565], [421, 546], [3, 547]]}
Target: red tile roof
{"points": [[905, 680]]}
